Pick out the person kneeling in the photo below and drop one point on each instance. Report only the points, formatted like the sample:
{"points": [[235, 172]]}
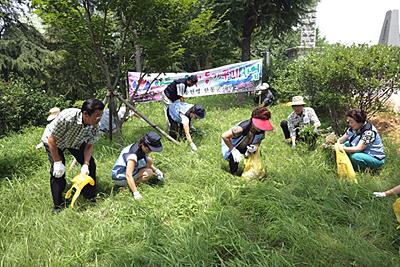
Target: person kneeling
{"points": [[245, 137], [135, 166], [180, 115], [362, 142]]}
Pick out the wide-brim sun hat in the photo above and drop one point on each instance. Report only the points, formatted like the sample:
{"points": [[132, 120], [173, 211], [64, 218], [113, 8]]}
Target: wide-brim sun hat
{"points": [[153, 141], [297, 100], [264, 125], [53, 113], [264, 86]]}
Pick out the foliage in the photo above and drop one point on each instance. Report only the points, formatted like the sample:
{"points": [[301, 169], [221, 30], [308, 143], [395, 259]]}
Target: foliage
{"points": [[308, 135], [22, 105], [273, 17], [337, 78], [201, 49], [302, 215], [23, 50]]}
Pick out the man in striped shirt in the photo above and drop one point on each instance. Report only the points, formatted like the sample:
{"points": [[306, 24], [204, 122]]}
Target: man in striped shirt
{"points": [[75, 130]]}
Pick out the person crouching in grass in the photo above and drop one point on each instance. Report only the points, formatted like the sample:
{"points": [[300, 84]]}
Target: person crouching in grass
{"points": [[180, 116], [245, 137], [362, 142], [135, 166]]}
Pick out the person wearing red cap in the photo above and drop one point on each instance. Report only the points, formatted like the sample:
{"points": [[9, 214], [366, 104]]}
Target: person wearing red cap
{"points": [[245, 137]]}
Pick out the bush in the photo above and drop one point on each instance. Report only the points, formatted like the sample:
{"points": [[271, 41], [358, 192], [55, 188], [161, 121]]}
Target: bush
{"points": [[21, 105], [338, 78]]}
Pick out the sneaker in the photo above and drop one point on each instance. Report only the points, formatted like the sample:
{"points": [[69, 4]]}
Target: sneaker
{"points": [[56, 210]]}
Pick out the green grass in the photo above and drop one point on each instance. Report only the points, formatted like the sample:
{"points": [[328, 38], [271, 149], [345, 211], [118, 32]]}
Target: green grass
{"points": [[301, 214]]}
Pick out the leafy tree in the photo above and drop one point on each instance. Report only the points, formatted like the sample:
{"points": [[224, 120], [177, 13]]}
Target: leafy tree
{"points": [[245, 17], [23, 51]]}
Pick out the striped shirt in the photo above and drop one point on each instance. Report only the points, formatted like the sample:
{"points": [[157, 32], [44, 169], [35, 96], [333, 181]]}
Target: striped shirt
{"points": [[69, 130]]}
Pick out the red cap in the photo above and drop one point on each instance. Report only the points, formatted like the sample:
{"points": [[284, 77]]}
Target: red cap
{"points": [[264, 125]]}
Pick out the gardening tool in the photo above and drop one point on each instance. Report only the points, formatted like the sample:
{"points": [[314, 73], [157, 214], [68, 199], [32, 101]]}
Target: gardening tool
{"points": [[344, 166], [78, 182]]}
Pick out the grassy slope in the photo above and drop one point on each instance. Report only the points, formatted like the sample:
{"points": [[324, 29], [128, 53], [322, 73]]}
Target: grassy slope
{"points": [[203, 216]]}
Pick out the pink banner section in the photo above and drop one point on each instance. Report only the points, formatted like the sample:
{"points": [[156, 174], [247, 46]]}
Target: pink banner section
{"points": [[234, 78]]}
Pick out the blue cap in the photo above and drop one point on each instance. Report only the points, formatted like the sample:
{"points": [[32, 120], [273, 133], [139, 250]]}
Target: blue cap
{"points": [[153, 141]]}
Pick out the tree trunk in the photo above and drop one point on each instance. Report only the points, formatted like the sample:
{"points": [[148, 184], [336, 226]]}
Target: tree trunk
{"points": [[335, 119], [249, 24], [246, 41]]}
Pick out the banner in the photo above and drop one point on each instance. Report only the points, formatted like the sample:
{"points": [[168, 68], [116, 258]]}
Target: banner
{"points": [[234, 78]]}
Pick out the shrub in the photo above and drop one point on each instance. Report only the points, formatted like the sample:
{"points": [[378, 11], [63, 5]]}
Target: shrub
{"points": [[21, 105]]}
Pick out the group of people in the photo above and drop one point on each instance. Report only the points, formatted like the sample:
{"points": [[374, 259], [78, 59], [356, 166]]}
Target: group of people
{"points": [[76, 130], [361, 141]]}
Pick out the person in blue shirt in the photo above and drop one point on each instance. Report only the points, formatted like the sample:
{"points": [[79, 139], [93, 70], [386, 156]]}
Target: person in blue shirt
{"points": [[176, 90], [180, 116], [362, 142], [135, 166]]}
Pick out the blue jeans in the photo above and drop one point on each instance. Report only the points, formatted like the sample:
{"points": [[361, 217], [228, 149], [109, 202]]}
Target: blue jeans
{"points": [[361, 160]]}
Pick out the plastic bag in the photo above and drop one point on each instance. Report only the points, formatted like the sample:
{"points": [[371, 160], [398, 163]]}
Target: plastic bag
{"points": [[344, 166], [78, 182], [253, 167], [396, 209]]}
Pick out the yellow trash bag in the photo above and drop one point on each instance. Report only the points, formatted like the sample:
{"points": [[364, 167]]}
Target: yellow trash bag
{"points": [[344, 166], [253, 167], [78, 182], [396, 209]]}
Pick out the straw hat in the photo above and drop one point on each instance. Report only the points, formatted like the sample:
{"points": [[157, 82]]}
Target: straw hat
{"points": [[264, 86], [297, 100], [53, 113]]}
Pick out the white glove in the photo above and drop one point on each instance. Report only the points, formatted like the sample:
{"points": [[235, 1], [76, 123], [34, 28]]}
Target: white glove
{"points": [[137, 195], [160, 175], [293, 145], [85, 169], [315, 130], [58, 169], [251, 149], [193, 146], [237, 156], [379, 194], [40, 145]]}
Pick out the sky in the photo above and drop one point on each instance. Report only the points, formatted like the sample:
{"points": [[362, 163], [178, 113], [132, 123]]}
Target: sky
{"points": [[353, 21]]}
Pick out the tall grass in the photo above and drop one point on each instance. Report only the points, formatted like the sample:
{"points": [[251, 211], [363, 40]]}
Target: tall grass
{"points": [[301, 214]]}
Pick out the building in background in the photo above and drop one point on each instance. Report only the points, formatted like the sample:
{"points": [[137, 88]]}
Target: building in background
{"points": [[308, 35], [390, 33]]}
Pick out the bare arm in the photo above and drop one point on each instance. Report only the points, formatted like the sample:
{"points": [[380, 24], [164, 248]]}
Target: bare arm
{"points": [[129, 178], [343, 139], [227, 136], [87, 154], [293, 140], [394, 191], [358, 148], [186, 129], [52, 143]]}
